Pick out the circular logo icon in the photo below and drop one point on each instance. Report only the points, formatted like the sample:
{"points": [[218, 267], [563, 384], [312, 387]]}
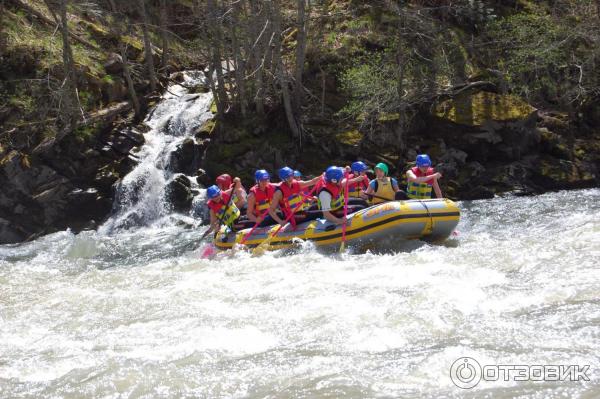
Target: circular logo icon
{"points": [[465, 372]]}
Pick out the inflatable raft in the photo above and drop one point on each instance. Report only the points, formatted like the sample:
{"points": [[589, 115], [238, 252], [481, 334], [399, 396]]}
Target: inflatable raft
{"points": [[432, 219]]}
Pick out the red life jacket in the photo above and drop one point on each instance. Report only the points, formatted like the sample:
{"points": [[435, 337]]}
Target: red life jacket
{"points": [[216, 206], [418, 173], [354, 189], [262, 199], [292, 196], [420, 190], [225, 211]]}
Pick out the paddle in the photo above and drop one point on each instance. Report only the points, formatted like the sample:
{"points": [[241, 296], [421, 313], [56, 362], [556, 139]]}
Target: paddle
{"points": [[260, 248], [382, 198], [342, 246], [258, 221]]}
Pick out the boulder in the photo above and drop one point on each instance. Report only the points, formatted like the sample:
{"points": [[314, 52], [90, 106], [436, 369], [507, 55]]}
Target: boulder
{"points": [[203, 178], [179, 194], [187, 156], [10, 234]]}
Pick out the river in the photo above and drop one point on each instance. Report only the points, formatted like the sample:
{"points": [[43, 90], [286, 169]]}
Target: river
{"points": [[138, 314]]}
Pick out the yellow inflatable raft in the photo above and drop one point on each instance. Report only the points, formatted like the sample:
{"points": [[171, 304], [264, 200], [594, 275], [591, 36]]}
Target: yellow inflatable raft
{"points": [[432, 219]]}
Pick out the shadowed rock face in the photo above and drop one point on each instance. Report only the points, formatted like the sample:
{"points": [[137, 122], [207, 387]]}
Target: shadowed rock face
{"points": [[69, 185]]}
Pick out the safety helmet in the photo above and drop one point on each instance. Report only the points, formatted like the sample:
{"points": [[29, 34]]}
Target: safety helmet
{"points": [[285, 173], [224, 181], [261, 174], [213, 191], [383, 167], [358, 167], [297, 173], [423, 160], [334, 174]]}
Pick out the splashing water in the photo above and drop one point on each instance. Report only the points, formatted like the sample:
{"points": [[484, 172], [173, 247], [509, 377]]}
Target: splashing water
{"points": [[138, 314], [140, 198]]}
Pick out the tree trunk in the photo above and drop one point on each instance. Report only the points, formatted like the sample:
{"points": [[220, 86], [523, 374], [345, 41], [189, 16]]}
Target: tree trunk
{"points": [[282, 73], [164, 34], [70, 86], [148, 47], [2, 38], [301, 26], [215, 59], [126, 71], [239, 64], [260, 34]]}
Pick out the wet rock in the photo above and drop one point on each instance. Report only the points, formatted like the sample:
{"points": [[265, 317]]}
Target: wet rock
{"points": [[206, 129], [9, 233], [179, 194], [134, 135], [187, 156], [203, 178], [479, 192], [87, 204], [554, 174]]}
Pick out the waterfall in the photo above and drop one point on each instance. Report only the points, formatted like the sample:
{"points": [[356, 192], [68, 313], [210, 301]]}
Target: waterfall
{"points": [[140, 198]]}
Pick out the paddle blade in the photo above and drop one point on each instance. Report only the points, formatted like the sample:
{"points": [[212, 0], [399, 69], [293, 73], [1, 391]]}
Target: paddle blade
{"points": [[261, 248], [208, 252]]}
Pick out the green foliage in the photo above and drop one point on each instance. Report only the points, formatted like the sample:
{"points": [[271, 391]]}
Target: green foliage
{"points": [[372, 87], [533, 50]]}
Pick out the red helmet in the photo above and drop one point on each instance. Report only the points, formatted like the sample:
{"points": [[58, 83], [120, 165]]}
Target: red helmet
{"points": [[224, 181]]}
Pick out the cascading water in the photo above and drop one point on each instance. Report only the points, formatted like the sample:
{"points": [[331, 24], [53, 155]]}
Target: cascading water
{"points": [[141, 195]]}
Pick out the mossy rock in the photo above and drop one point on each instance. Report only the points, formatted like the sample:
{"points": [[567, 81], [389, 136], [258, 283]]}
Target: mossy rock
{"points": [[476, 109], [206, 129], [350, 137]]}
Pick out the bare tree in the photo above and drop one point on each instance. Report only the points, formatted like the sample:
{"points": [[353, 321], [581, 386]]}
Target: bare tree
{"points": [[164, 33], [301, 26], [117, 28], [149, 58], [282, 74], [69, 104]]}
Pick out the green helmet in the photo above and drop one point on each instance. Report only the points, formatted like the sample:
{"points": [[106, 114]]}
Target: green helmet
{"points": [[383, 167]]}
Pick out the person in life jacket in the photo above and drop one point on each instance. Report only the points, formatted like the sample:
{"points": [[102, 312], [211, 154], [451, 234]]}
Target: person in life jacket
{"points": [[422, 179], [384, 188], [260, 198], [224, 182], [289, 197], [357, 190], [222, 210], [306, 192], [331, 194]]}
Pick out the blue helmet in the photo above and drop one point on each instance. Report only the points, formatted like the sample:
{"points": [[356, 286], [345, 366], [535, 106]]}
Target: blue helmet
{"points": [[213, 191], [423, 160], [297, 173], [359, 166], [261, 174], [334, 174], [285, 173]]}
